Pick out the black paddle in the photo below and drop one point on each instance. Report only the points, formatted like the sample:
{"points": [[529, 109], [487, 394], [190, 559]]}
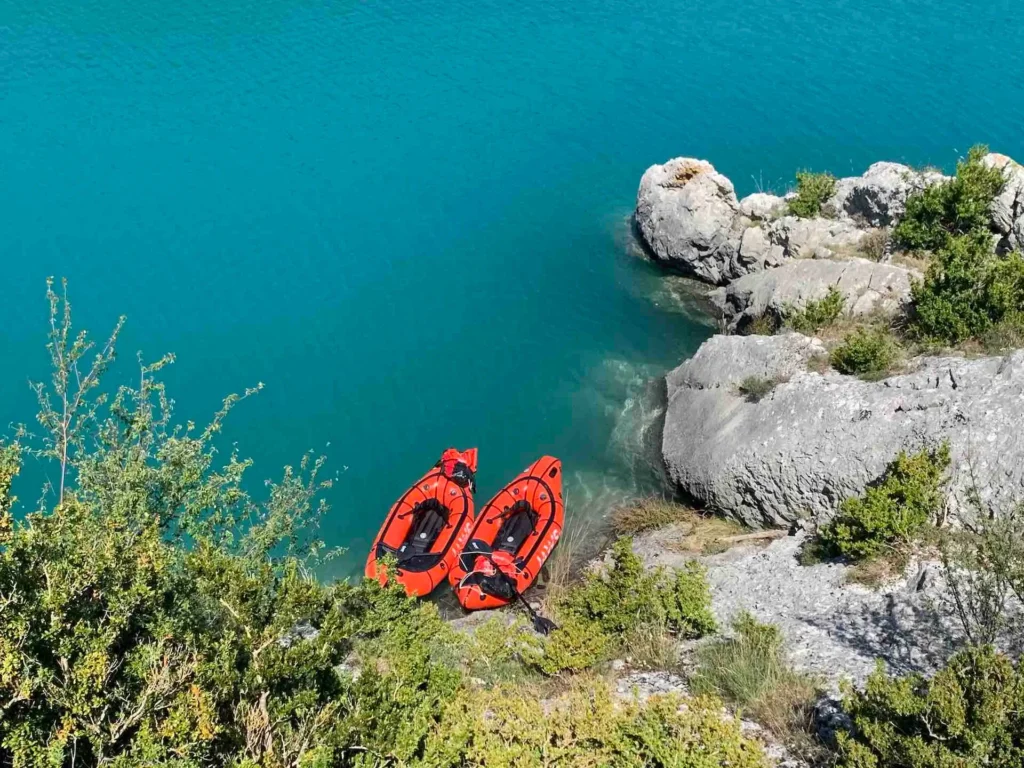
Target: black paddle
{"points": [[541, 624]]}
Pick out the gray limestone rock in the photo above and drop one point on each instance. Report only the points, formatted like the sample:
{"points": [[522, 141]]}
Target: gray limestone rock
{"points": [[1008, 207], [817, 439], [866, 285], [813, 238], [761, 205], [688, 216], [879, 197]]}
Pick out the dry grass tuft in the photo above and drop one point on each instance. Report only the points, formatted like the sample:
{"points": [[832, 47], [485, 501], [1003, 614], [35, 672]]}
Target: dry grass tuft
{"points": [[749, 671], [875, 244], [567, 559], [647, 515]]}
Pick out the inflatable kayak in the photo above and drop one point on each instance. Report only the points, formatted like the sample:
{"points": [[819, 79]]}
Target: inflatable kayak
{"points": [[511, 539], [428, 526]]}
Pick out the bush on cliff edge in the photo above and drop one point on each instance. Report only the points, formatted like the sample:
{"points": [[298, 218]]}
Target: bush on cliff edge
{"points": [[154, 613], [893, 511]]}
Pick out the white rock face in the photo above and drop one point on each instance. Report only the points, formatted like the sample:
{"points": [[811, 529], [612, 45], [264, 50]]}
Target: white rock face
{"points": [[832, 629], [762, 206], [813, 238], [1008, 207], [879, 197], [815, 440], [867, 287], [688, 216]]}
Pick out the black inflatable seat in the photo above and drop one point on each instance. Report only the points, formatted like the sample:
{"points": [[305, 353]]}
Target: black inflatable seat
{"points": [[519, 523], [429, 519]]}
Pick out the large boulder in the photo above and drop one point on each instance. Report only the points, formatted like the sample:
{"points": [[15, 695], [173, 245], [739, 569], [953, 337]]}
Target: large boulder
{"points": [[879, 197], [814, 238], [761, 205], [688, 216], [1008, 207], [817, 439], [867, 287]]}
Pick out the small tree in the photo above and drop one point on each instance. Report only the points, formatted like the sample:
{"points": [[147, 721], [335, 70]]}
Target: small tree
{"points": [[812, 190]]}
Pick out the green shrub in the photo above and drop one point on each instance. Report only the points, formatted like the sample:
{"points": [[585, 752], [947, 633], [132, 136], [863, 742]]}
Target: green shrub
{"points": [[967, 290], [575, 646], [512, 728], [756, 388], [812, 189], [969, 715], [958, 207], [749, 670], [625, 595], [608, 605], [893, 511], [866, 352], [817, 314]]}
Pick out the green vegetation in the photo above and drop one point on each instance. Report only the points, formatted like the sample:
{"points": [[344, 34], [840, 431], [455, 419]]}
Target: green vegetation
{"points": [[893, 511], [154, 613], [598, 614], [812, 190], [816, 314], [968, 288], [945, 211], [510, 728], [756, 388], [868, 352], [749, 671], [969, 715]]}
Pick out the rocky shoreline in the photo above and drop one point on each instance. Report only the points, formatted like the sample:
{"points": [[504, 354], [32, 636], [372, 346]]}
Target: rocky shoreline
{"points": [[818, 436]]}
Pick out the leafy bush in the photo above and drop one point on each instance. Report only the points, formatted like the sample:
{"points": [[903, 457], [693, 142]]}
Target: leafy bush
{"points": [[575, 646], [812, 189], [817, 314], [597, 614], [958, 207], [866, 352], [969, 715], [892, 511], [749, 670], [154, 613], [967, 288], [756, 388], [510, 728], [625, 595]]}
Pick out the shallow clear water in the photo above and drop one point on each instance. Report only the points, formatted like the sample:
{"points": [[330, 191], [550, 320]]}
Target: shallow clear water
{"points": [[409, 219]]}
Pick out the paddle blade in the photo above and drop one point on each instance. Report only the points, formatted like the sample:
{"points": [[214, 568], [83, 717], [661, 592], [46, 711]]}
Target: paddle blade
{"points": [[544, 626]]}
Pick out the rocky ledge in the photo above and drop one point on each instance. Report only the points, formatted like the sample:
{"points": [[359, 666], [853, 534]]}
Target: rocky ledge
{"points": [[817, 438]]}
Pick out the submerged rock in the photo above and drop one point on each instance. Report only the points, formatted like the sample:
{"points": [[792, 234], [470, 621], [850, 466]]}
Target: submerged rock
{"points": [[879, 197], [866, 285], [817, 439], [688, 216]]}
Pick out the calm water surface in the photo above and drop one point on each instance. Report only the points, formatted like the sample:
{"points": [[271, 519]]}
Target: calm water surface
{"points": [[409, 218]]}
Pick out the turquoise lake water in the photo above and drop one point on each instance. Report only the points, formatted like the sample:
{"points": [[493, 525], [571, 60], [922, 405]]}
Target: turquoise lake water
{"points": [[410, 219]]}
